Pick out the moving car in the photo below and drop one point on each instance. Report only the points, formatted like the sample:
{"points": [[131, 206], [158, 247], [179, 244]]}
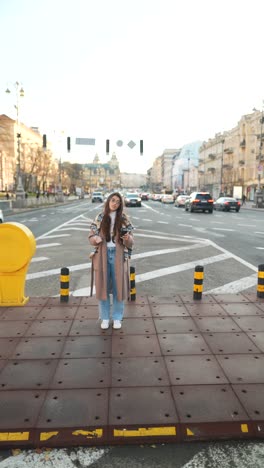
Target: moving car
{"points": [[199, 201], [180, 201], [144, 196], [1, 216], [227, 204], [132, 199], [167, 199], [97, 197]]}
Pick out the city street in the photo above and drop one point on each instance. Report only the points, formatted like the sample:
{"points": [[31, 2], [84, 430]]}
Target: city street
{"points": [[169, 243]]}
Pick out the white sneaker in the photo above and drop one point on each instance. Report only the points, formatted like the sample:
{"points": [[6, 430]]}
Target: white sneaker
{"points": [[117, 324], [105, 324]]}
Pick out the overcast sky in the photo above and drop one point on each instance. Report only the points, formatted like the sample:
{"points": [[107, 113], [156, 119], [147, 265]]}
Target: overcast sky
{"points": [[166, 71]]}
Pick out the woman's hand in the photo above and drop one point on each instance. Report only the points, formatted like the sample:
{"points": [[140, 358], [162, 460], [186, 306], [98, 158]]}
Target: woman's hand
{"points": [[98, 239], [126, 236]]}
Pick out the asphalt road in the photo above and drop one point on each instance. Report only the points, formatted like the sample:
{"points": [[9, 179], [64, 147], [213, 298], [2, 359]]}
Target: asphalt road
{"points": [[169, 243]]}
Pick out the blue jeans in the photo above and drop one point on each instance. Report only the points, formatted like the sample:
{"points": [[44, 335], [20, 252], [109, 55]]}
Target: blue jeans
{"points": [[118, 306]]}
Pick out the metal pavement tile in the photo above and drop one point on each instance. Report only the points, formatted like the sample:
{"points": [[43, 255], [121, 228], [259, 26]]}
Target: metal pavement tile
{"points": [[194, 369], [258, 339], [20, 408], [139, 372], [205, 310], [37, 301], [88, 327], [250, 323], [78, 408], [49, 328], [207, 403], [39, 348], [82, 373], [243, 368], [252, 398], [252, 296], [169, 310], [89, 300], [139, 300], [136, 326], [242, 309], [226, 298], [137, 310], [57, 313], [87, 347], [55, 301], [206, 299], [175, 325], [216, 324], [7, 346], [27, 374], [13, 328], [21, 313], [144, 405], [165, 299], [230, 343], [87, 312], [182, 343], [135, 345]]}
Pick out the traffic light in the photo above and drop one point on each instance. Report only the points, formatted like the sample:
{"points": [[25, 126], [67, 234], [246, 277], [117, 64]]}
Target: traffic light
{"points": [[68, 144], [141, 147], [107, 146], [44, 141]]}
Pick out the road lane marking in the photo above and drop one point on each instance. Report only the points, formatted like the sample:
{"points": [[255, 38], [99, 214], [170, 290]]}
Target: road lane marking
{"points": [[39, 259], [47, 245], [57, 235], [163, 222], [145, 219], [43, 236], [235, 286], [260, 248], [222, 229]]}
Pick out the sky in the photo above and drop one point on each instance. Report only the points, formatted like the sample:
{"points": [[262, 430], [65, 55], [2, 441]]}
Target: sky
{"points": [[168, 72]]}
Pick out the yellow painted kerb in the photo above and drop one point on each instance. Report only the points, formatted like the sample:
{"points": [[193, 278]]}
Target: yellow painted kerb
{"points": [[146, 432]]}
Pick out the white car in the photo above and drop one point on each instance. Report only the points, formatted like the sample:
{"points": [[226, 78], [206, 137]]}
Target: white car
{"points": [[1, 216], [167, 199]]}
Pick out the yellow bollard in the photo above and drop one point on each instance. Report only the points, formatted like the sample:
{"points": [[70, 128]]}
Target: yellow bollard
{"points": [[17, 247], [133, 291]]}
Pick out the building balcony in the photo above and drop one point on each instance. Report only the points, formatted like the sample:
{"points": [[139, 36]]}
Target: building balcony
{"points": [[211, 169], [228, 150], [201, 171], [243, 143], [227, 166], [241, 162], [211, 156]]}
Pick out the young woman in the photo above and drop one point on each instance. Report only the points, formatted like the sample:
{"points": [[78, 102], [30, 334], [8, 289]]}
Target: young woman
{"points": [[111, 235]]}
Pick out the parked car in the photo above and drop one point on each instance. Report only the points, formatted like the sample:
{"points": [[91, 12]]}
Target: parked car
{"points": [[180, 201], [167, 199], [144, 196], [97, 197], [132, 199], [227, 204], [1, 216], [199, 201]]}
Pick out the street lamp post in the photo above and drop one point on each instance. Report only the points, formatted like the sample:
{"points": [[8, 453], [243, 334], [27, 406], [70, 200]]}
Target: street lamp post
{"points": [[221, 168], [20, 193], [259, 194]]}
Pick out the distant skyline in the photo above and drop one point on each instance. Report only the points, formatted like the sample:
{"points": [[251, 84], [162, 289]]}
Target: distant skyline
{"points": [[165, 71]]}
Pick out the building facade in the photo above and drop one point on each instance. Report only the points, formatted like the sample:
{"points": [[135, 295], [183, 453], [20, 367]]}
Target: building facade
{"points": [[103, 176]]}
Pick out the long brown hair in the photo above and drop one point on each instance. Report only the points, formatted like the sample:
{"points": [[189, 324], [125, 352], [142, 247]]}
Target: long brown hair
{"points": [[106, 221]]}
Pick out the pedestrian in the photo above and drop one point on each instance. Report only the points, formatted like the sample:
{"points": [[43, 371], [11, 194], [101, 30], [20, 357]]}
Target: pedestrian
{"points": [[112, 239], [244, 199]]}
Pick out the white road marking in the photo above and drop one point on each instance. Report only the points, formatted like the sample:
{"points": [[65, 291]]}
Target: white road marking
{"points": [[163, 222], [57, 228], [260, 248], [258, 232], [235, 286], [38, 259], [223, 229], [47, 245], [246, 225], [150, 208], [145, 219], [171, 238], [57, 235], [74, 229], [186, 225]]}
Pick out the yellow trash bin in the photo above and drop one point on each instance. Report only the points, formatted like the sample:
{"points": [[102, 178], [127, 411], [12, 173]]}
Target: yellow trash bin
{"points": [[17, 247]]}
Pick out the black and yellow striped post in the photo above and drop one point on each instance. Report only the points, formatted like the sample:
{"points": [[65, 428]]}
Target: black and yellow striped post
{"points": [[64, 284], [198, 282], [132, 283], [260, 286]]}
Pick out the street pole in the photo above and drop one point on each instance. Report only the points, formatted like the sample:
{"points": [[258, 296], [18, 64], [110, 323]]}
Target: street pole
{"points": [[259, 194], [221, 168], [60, 197], [20, 193]]}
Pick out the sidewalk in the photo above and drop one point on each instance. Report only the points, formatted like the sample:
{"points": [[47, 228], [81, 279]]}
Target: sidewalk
{"points": [[178, 370]]}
